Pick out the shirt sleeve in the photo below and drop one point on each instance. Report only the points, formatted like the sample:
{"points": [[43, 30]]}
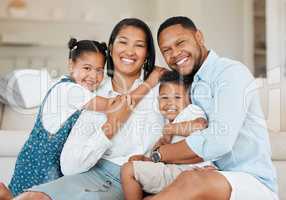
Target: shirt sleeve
{"points": [[85, 145], [65, 99], [75, 96], [227, 111]]}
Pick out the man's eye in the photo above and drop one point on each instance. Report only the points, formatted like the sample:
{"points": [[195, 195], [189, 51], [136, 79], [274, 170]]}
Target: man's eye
{"points": [[163, 98], [181, 42], [86, 68]]}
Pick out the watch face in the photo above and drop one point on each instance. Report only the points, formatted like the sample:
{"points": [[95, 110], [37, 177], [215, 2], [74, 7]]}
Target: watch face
{"points": [[155, 157]]}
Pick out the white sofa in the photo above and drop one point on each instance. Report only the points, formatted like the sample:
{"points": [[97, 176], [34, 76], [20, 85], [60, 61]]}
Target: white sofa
{"points": [[15, 126]]}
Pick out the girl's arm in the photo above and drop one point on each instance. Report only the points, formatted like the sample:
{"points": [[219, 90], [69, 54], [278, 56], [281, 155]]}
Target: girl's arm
{"points": [[117, 117], [102, 104]]}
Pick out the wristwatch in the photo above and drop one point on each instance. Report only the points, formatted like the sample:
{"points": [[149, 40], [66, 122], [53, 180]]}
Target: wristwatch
{"points": [[155, 155]]}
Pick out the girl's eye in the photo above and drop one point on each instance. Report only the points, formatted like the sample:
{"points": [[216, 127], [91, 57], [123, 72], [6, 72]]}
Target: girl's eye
{"points": [[178, 97], [122, 42]]}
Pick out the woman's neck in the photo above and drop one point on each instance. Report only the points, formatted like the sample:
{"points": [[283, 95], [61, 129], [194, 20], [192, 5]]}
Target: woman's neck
{"points": [[122, 83]]}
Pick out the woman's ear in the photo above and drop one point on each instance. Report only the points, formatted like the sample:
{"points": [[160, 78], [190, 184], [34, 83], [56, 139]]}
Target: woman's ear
{"points": [[200, 38], [110, 50]]}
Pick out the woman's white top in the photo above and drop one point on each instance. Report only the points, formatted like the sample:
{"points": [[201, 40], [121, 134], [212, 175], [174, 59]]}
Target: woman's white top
{"points": [[87, 143]]}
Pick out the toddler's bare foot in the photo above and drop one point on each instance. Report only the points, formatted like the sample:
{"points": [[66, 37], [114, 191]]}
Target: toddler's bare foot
{"points": [[5, 193]]}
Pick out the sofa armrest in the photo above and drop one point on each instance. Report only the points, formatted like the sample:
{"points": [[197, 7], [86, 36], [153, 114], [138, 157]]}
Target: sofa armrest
{"points": [[1, 113], [11, 142], [278, 146]]}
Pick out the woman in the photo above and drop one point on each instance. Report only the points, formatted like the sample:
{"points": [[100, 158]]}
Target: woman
{"points": [[131, 61]]}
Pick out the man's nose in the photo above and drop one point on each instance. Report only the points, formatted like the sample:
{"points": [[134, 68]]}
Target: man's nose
{"points": [[175, 53]]}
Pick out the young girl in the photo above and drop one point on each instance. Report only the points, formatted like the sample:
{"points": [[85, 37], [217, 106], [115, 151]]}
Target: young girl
{"points": [[38, 162]]}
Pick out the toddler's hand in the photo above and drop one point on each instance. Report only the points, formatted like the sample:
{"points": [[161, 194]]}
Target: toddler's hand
{"points": [[139, 158]]}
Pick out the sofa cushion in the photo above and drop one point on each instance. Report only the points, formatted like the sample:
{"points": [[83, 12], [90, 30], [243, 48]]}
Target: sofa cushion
{"points": [[25, 88], [278, 146]]}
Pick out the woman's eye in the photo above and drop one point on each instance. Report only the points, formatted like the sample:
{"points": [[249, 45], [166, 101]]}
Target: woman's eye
{"points": [[141, 45], [86, 68], [178, 97]]}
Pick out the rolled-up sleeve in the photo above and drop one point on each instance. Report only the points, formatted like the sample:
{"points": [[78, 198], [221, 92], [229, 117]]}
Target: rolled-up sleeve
{"points": [[85, 145], [227, 109]]}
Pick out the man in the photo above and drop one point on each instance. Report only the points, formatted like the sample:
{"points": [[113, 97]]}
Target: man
{"points": [[236, 138]]}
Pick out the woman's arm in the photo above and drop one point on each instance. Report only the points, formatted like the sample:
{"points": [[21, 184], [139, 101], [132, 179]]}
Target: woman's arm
{"points": [[85, 145]]}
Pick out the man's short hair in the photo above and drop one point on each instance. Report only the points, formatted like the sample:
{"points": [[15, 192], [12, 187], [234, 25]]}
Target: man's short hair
{"points": [[183, 21], [176, 78]]}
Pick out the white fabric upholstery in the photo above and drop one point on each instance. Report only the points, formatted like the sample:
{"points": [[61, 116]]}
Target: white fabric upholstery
{"points": [[18, 119], [25, 87]]}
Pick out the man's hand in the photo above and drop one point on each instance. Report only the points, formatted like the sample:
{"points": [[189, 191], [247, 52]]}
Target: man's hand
{"points": [[139, 158], [165, 139]]}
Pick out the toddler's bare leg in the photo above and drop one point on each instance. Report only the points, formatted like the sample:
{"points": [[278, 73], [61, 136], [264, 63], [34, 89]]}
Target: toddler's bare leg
{"points": [[131, 188]]}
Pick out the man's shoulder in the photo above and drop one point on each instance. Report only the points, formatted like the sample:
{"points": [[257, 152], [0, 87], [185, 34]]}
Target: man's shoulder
{"points": [[229, 68]]}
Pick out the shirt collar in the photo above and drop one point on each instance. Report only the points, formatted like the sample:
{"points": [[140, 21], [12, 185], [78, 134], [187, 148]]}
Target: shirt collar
{"points": [[109, 87], [206, 70]]}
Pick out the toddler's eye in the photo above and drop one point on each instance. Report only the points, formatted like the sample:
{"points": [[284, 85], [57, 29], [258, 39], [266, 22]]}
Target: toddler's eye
{"points": [[163, 97]]}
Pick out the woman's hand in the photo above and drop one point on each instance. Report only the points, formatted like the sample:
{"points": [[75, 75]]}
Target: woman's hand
{"points": [[117, 112], [155, 76]]}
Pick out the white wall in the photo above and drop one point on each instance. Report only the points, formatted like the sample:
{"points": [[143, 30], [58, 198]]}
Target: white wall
{"points": [[51, 23]]}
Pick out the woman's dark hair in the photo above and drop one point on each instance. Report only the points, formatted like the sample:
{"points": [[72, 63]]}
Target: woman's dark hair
{"points": [[150, 60], [77, 48], [183, 21]]}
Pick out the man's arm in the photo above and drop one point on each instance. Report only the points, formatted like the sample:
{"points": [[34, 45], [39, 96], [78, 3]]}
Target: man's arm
{"points": [[227, 113]]}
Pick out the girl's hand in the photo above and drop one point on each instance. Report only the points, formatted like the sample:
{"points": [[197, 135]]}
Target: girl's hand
{"points": [[155, 75], [118, 111]]}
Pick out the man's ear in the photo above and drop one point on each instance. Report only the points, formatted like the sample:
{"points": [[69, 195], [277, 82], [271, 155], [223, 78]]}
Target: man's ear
{"points": [[200, 38]]}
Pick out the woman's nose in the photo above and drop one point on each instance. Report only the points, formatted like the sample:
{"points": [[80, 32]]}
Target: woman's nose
{"points": [[130, 50]]}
